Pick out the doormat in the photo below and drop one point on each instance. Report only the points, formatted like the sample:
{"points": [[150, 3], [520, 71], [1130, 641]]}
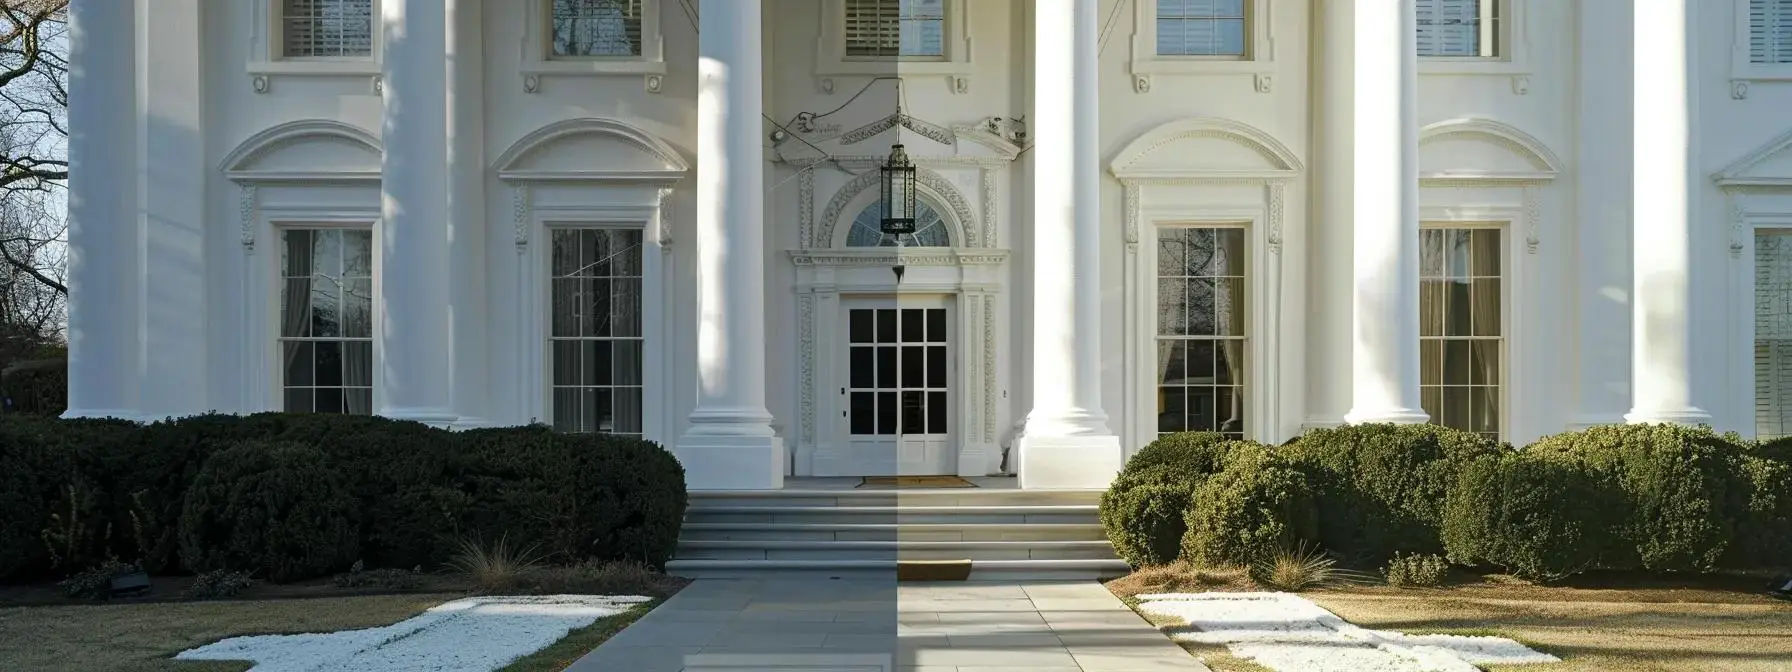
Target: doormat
{"points": [[933, 570], [916, 482]]}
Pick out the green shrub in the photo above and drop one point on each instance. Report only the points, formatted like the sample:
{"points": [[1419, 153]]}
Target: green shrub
{"points": [[359, 576], [36, 387], [28, 475], [218, 585], [1764, 535], [55, 502], [399, 472], [1256, 507], [1537, 518], [1422, 570], [1142, 511], [95, 583], [276, 509], [151, 469], [1383, 486], [1681, 486]]}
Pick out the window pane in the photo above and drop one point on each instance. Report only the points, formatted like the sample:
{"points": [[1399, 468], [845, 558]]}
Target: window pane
{"points": [[859, 326], [886, 412], [1201, 27], [357, 363], [886, 367], [329, 363], [864, 413], [1461, 321], [936, 325], [914, 366], [327, 28], [357, 308], [596, 27], [1770, 31], [860, 367], [936, 367], [937, 413], [625, 360], [301, 362], [887, 28], [1773, 334], [886, 326], [914, 325], [914, 412], [298, 400]]}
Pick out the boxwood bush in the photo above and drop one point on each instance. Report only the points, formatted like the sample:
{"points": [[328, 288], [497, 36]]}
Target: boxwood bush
{"points": [[276, 509], [165, 496], [1257, 505], [1383, 486], [1143, 509], [1538, 519]]}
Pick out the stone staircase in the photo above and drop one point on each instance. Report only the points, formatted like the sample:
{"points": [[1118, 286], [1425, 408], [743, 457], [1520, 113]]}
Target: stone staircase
{"points": [[1006, 534]]}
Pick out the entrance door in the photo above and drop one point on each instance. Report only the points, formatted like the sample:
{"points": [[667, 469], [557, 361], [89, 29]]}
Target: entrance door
{"points": [[898, 395]]}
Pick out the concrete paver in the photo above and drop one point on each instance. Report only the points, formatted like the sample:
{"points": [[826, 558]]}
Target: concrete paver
{"points": [[717, 625]]}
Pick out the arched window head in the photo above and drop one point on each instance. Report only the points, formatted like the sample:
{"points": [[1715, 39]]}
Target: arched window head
{"points": [[930, 228]]}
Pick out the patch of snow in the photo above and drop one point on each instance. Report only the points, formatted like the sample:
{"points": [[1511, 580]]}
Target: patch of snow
{"points": [[1289, 633], [475, 634]]}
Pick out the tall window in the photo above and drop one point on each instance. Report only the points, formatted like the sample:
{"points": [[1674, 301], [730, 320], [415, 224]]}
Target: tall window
{"points": [[585, 28], [595, 336], [885, 28], [326, 320], [1201, 336], [1461, 328], [326, 28], [930, 229], [1773, 334], [1460, 28], [1770, 32], [1201, 27]]}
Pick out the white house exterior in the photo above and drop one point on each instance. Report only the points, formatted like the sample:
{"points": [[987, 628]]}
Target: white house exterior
{"points": [[658, 217]]}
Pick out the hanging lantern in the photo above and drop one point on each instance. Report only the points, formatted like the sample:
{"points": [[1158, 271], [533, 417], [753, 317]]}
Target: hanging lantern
{"points": [[899, 194]]}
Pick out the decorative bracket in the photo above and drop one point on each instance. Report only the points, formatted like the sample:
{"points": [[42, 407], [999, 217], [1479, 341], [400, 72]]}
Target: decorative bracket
{"points": [[519, 203], [246, 224]]}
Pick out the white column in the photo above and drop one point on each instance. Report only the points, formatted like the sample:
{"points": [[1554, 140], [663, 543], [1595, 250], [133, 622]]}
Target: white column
{"points": [[1385, 289], [103, 258], [414, 327], [1661, 296], [730, 443], [472, 404], [1067, 443], [171, 174], [1602, 181]]}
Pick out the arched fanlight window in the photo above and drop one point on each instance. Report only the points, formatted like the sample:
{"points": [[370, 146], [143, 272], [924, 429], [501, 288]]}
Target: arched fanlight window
{"points": [[930, 228]]}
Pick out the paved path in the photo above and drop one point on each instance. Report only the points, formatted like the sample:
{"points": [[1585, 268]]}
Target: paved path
{"points": [[817, 625]]}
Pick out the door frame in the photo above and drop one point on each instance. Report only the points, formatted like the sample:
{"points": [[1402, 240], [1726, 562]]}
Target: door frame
{"points": [[971, 279], [843, 462]]}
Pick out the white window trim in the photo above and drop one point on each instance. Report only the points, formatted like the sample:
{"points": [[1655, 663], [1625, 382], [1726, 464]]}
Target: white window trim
{"points": [[266, 382], [1744, 71], [1514, 49], [654, 421], [536, 359], [1259, 58], [831, 59], [1750, 212], [538, 44], [1513, 375], [268, 59]]}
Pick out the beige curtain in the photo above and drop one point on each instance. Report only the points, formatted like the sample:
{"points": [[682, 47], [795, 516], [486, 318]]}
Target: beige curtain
{"points": [[296, 322], [1229, 315], [1484, 264]]}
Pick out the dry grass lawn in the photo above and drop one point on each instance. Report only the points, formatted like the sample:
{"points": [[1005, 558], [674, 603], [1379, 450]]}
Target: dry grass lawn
{"points": [[1708, 624], [142, 636]]}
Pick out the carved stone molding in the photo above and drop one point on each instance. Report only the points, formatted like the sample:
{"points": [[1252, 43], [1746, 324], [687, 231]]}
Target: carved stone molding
{"points": [[1132, 216], [1533, 218], [805, 321], [887, 256], [989, 207], [805, 212], [246, 201], [861, 162], [519, 212], [925, 129], [1277, 209], [665, 220], [989, 368], [1738, 227], [940, 187]]}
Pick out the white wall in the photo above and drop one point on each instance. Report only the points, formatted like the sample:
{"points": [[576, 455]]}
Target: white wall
{"points": [[1568, 93]]}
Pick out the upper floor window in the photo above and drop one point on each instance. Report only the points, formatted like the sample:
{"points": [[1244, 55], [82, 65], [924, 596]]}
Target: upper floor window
{"points": [[1770, 32], [1461, 28], [326, 28], [1202, 27], [583, 28], [902, 28]]}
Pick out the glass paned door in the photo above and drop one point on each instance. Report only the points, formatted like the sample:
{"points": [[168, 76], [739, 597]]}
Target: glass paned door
{"points": [[897, 391]]}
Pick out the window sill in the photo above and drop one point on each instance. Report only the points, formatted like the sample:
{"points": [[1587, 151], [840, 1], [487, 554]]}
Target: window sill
{"points": [[1143, 69], [1742, 76], [1471, 66], [336, 68], [652, 72]]}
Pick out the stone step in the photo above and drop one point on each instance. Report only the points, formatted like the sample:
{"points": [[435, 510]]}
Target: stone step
{"points": [[1007, 515], [981, 570], [892, 532], [895, 550]]}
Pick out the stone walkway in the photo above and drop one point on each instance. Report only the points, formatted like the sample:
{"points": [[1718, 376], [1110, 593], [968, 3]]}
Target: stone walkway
{"points": [[817, 625]]}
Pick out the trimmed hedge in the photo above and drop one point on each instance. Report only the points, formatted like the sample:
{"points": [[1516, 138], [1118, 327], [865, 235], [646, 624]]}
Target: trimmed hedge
{"points": [[1143, 509], [275, 509], [419, 491], [1257, 505], [1539, 519], [1383, 486]]}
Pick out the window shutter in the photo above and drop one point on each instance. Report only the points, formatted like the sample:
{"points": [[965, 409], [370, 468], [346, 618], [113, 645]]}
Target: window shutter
{"points": [[1449, 27], [1770, 31], [326, 28], [895, 27], [1200, 27]]}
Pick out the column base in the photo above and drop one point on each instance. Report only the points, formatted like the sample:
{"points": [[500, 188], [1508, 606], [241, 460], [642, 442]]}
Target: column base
{"points": [[1068, 462], [1396, 416], [1678, 416], [721, 462]]}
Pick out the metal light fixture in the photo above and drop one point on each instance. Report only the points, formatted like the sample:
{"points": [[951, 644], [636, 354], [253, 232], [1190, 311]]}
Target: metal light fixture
{"points": [[899, 193]]}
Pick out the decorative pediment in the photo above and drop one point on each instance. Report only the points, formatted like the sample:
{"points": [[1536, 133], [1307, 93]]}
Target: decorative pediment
{"points": [[1770, 165], [591, 149], [810, 142], [1205, 148], [1483, 150], [310, 150]]}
